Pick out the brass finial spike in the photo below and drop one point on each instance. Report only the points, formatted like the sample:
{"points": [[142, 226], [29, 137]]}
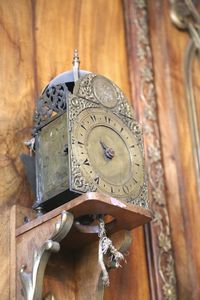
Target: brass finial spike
{"points": [[76, 64]]}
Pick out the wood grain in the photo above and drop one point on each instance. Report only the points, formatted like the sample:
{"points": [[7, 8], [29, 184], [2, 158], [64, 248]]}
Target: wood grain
{"points": [[31, 236], [17, 97], [17, 90], [95, 29], [168, 46], [73, 273], [38, 39], [125, 215]]}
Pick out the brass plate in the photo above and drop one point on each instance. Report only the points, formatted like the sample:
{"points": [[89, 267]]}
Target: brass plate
{"points": [[51, 160]]}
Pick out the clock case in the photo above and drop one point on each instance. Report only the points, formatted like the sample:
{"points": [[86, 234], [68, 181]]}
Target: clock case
{"points": [[57, 173]]}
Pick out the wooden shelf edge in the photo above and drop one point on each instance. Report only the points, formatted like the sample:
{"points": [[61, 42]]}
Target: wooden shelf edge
{"points": [[128, 215]]}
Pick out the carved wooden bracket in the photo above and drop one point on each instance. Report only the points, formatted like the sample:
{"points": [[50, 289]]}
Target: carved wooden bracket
{"points": [[33, 282], [74, 271]]}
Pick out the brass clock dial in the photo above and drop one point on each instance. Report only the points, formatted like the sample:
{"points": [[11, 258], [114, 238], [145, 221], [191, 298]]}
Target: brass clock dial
{"points": [[105, 142], [107, 153]]}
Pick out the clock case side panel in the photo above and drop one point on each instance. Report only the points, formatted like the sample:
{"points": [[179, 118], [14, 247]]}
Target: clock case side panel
{"points": [[52, 170], [50, 142]]}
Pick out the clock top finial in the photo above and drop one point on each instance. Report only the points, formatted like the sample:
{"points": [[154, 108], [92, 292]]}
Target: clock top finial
{"points": [[76, 65]]}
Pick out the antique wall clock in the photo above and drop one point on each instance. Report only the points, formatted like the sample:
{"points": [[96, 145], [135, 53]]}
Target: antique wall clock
{"points": [[86, 138]]}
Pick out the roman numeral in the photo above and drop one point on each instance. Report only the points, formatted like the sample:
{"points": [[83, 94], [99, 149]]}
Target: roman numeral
{"points": [[111, 189], [135, 180], [96, 180], [80, 143], [86, 162], [137, 164], [133, 146], [125, 189], [83, 127], [107, 119], [93, 118]]}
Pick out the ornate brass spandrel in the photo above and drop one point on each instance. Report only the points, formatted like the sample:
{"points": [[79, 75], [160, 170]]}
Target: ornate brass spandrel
{"points": [[95, 95], [32, 283]]}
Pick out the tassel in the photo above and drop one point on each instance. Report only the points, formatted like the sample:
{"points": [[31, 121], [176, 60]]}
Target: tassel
{"points": [[106, 247]]}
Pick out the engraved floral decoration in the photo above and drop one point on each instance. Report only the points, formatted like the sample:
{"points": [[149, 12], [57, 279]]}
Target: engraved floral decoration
{"points": [[77, 179], [84, 89], [164, 261]]}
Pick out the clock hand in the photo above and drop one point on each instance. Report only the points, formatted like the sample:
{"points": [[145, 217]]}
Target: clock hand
{"points": [[109, 152], [103, 145]]}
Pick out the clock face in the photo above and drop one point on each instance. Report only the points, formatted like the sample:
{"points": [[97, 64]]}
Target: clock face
{"points": [[107, 153]]}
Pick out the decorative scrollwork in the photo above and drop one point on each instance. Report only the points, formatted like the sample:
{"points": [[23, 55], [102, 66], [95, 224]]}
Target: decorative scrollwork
{"points": [[185, 16], [84, 89], [52, 101], [32, 283], [78, 180], [165, 263], [76, 105], [142, 199]]}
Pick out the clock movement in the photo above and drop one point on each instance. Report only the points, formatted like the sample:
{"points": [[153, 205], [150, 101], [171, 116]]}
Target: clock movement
{"points": [[86, 139]]}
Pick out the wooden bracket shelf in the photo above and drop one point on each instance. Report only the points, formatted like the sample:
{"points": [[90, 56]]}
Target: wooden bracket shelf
{"points": [[56, 257]]}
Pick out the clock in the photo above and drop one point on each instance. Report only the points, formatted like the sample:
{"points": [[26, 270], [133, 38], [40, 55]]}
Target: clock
{"points": [[106, 148], [86, 139]]}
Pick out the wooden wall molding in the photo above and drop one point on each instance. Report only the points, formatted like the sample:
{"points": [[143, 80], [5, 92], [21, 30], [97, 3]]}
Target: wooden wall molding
{"points": [[159, 246], [186, 17]]}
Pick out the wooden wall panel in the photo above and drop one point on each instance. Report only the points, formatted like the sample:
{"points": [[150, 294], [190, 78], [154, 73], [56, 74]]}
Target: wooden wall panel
{"points": [[157, 52], [38, 38], [143, 88], [169, 46], [96, 29], [17, 93]]}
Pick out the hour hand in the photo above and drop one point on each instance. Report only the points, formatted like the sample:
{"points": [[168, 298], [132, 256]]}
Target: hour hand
{"points": [[108, 152], [103, 145]]}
